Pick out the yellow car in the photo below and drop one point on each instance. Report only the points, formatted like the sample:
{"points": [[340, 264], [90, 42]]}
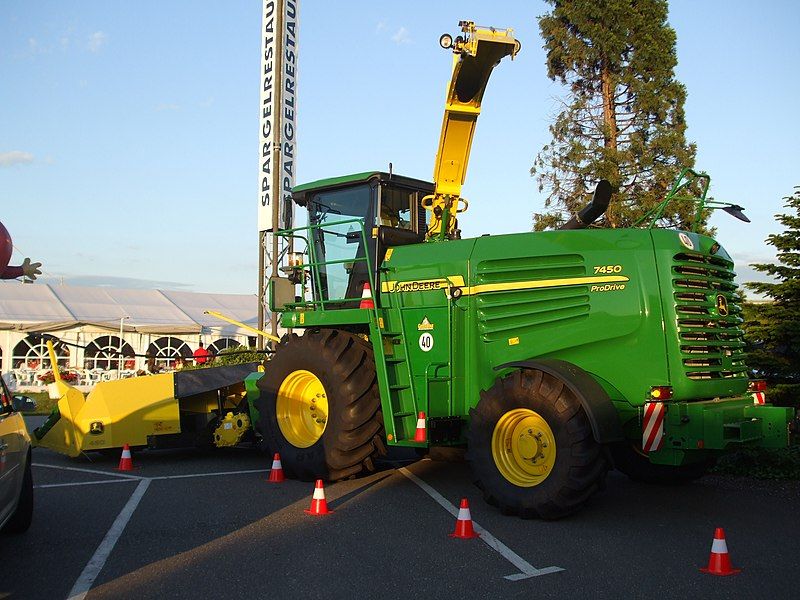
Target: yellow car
{"points": [[16, 483]]}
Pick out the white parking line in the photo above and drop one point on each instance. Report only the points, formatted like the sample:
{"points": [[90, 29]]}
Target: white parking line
{"points": [[98, 560], [100, 556], [58, 485], [93, 471], [526, 569], [208, 474]]}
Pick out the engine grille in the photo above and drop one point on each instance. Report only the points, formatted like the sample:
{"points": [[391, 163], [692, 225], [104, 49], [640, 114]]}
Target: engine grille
{"points": [[510, 313], [711, 341]]}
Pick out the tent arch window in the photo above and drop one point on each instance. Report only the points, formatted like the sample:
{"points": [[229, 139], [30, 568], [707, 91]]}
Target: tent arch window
{"points": [[166, 349], [31, 353], [221, 344], [103, 353]]}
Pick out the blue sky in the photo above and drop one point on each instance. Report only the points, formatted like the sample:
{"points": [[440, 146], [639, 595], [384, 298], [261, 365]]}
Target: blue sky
{"points": [[128, 131]]}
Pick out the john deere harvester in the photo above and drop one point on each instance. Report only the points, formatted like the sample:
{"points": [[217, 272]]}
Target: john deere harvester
{"points": [[551, 356]]}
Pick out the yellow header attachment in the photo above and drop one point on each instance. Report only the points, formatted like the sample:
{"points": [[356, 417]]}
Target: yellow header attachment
{"points": [[476, 53]]}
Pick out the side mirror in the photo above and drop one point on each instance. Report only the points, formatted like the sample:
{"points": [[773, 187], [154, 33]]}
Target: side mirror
{"points": [[281, 293], [23, 403]]}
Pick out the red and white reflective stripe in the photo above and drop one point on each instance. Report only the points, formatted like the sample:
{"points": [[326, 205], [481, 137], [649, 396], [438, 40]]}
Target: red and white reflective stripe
{"points": [[319, 494], [126, 454], [463, 514], [276, 464], [759, 398], [421, 423], [653, 426], [719, 546]]}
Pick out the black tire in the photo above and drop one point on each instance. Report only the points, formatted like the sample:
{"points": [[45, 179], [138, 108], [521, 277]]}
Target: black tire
{"points": [[580, 463], [353, 435], [20, 521], [630, 460]]}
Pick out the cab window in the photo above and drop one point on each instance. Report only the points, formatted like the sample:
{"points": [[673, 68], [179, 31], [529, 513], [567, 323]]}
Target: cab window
{"points": [[340, 245]]}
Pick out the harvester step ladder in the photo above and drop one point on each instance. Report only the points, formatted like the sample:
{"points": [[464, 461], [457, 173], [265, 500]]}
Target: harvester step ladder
{"points": [[398, 339]]}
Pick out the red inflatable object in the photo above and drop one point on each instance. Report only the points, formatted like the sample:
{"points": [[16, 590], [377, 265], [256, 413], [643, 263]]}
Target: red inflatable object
{"points": [[27, 269], [6, 248]]}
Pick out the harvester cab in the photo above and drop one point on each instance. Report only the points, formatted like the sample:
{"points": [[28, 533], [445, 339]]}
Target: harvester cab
{"points": [[353, 220]]}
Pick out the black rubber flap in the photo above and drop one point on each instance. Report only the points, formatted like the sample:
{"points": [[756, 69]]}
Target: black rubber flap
{"points": [[197, 381]]}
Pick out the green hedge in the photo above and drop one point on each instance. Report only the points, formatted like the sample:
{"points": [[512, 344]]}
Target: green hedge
{"points": [[780, 463]]}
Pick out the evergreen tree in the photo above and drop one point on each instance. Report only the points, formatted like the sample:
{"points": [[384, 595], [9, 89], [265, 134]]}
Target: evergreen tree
{"points": [[623, 119], [772, 330]]}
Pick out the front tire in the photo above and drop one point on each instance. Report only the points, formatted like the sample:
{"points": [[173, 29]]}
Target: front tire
{"points": [[531, 447], [319, 406]]}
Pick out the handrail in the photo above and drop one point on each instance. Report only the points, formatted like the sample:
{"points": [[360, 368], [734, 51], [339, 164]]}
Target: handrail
{"points": [[314, 263], [686, 177]]}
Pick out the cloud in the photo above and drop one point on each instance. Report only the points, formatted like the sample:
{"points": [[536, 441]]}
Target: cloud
{"points": [[380, 26], [401, 36], [15, 157], [167, 106], [96, 41]]}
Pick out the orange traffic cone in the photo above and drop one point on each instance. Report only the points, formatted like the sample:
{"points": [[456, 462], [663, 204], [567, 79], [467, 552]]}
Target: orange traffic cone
{"points": [[276, 472], [366, 297], [319, 506], [421, 434], [719, 563], [464, 529], [125, 461]]}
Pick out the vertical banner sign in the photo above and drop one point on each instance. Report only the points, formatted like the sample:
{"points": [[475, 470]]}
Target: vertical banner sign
{"points": [[288, 138], [278, 114], [267, 134]]}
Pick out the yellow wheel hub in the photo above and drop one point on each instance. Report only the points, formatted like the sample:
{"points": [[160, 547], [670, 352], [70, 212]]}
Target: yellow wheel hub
{"points": [[523, 447], [302, 409]]}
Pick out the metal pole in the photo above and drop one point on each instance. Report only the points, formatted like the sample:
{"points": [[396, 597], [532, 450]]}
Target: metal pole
{"points": [[261, 260], [119, 356], [276, 151], [273, 64]]}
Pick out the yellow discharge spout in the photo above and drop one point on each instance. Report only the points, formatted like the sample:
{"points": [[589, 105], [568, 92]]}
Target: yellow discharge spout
{"points": [[476, 53]]}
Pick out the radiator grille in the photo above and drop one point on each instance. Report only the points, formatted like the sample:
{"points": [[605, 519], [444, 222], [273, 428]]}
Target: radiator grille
{"points": [[708, 317]]}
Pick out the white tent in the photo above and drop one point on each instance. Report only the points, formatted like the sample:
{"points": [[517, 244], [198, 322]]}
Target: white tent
{"points": [[58, 307], [110, 332]]}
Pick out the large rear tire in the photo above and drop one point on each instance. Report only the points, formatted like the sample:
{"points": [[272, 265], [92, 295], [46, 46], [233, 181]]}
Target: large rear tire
{"points": [[531, 447], [20, 521], [320, 407]]}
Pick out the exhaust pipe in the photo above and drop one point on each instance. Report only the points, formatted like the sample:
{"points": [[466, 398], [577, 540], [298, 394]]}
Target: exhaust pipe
{"points": [[592, 211]]}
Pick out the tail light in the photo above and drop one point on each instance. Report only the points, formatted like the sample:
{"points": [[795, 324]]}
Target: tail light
{"points": [[661, 392]]}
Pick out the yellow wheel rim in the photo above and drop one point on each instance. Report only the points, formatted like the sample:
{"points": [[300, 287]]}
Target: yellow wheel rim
{"points": [[523, 447], [302, 409]]}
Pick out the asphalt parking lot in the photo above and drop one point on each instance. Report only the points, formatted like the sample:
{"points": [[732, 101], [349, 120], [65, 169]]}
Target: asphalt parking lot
{"points": [[192, 525]]}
